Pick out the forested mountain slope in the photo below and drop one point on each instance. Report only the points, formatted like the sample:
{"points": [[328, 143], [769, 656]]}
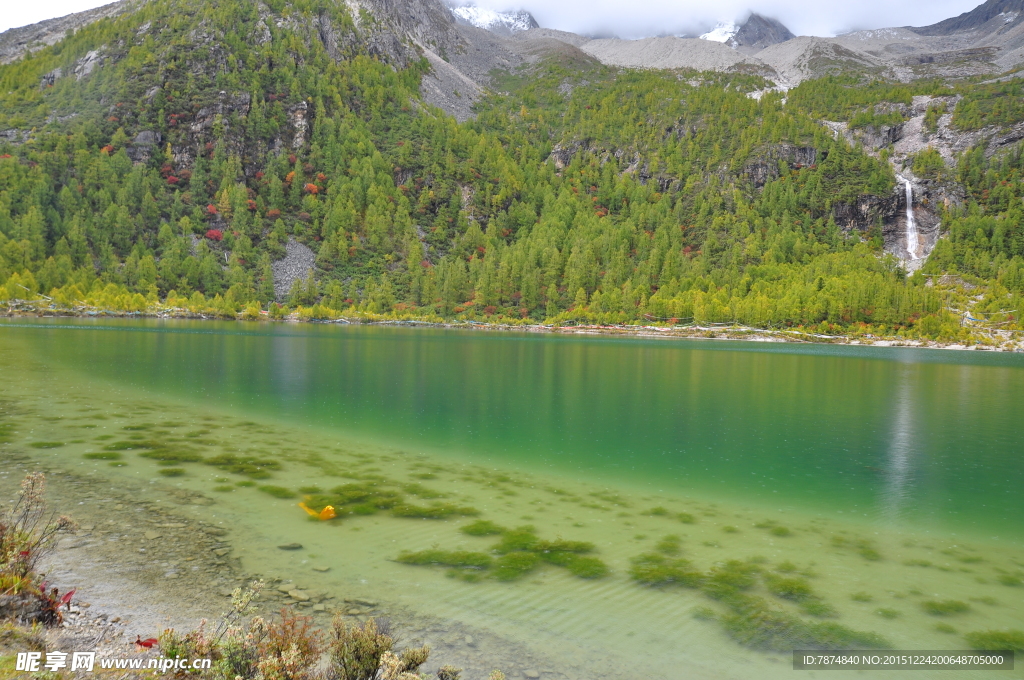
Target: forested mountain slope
{"points": [[177, 151]]}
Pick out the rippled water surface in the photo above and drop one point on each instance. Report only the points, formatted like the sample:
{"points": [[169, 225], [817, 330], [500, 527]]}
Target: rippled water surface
{"points": [[881, 479]]}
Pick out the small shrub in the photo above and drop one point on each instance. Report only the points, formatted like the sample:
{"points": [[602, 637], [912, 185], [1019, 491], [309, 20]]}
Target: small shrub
{"points": [[945, 607], [277, 491]]}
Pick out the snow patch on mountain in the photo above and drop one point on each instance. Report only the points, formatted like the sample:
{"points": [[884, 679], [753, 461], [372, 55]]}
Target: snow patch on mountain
{"points": [[722, 33], [504, 23]]}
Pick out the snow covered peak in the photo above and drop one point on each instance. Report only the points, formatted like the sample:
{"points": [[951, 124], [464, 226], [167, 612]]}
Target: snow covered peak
{"points": [[503, 23], [722, 33]]}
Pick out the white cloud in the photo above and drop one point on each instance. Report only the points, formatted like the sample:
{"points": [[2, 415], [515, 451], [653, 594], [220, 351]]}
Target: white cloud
{"points": [[632, 19]]}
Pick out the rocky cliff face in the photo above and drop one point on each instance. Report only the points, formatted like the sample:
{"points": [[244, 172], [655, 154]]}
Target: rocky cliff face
{"points": [[759, 32], [18, 41]]}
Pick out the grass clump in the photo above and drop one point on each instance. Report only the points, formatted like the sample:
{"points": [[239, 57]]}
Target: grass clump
{"points": [[277, 491], [422, 491], [658, 511], [1010, 580], [307, 489], [515, 565], [102, 455], [172, 472], [482, 527], [786, 567], [861, 597], [655, 569], [994, 640], [886, 613], [46, 445], [686, 518], [245, 483], [945, 607]]}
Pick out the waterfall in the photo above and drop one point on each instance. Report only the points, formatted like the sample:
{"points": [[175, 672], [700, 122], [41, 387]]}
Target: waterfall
{"points": [[912, 241]]}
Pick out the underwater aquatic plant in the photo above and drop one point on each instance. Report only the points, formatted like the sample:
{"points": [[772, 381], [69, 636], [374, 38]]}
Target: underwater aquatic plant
{"points": [[482, 527], [1010, 580], [655, 569], [434, 511], [945, 607], [102, 455], [172, 472], [447, 558], [686, 518], [514, 565], [996, 640], [46, 445], [861, 597], [518, 539], [277, 491], [669, 545], [729, 578], [250, 466], [755, 625], [789, 588], [886, 613], [819, 608]]}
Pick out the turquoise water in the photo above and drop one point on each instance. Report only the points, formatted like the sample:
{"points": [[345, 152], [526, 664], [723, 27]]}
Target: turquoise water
{"points": [[884, 478], [928, 437]]}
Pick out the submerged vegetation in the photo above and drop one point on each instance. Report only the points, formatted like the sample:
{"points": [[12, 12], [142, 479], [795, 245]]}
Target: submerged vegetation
{"points": [[518, 552]]}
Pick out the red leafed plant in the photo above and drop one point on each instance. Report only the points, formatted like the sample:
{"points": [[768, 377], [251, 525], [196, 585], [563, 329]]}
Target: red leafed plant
{"points": [[215, 235], [28, 532], [211, 209]]}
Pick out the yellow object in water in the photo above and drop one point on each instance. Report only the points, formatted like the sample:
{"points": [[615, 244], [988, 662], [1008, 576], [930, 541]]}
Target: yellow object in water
{"points": [[326, 513]]}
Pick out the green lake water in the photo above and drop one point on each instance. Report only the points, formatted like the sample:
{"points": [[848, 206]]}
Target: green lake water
{"points": [[896, 473]]}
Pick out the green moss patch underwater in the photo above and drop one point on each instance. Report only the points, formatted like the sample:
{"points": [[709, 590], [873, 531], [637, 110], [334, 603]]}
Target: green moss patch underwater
{"points": [[517, 553], [751, 620]]}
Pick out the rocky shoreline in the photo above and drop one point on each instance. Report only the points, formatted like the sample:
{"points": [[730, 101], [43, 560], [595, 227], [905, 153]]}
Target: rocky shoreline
{"points": [[1002, 341]]}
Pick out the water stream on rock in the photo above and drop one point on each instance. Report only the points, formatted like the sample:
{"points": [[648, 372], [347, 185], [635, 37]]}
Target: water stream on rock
{"points": [[913, 244]]}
